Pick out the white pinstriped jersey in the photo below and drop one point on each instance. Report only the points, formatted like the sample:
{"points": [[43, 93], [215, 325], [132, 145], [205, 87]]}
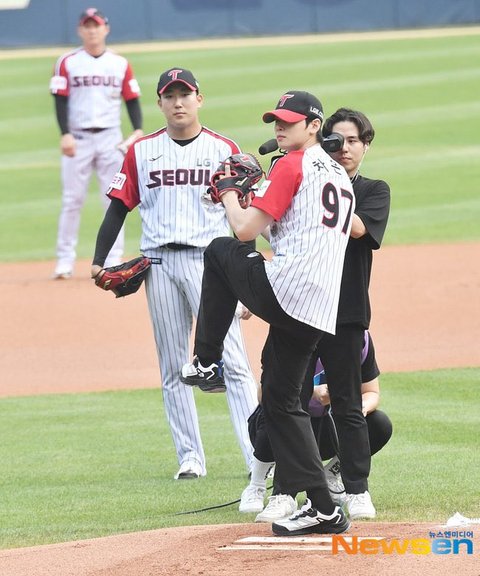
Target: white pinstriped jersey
{"points": [[168, 182], [95, 87], [311, 199]]}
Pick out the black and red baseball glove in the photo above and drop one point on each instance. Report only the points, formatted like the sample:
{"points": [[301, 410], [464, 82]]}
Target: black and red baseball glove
{"points": [[245, 172], [125, 278]]}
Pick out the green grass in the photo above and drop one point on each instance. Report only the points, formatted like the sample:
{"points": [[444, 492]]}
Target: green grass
{"points": [[421, 95], [79, 466], [86, 465]]}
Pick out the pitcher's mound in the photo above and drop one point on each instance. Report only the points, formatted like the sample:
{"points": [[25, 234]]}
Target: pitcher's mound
{"points": [[367, 549]]}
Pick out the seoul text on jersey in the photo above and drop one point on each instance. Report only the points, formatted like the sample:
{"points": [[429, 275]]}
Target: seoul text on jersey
{"points": [[178, 177], [96, 81]]}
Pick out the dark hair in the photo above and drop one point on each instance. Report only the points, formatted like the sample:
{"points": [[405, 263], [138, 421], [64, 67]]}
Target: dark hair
{"points": [[366, 133], [309, 120]]}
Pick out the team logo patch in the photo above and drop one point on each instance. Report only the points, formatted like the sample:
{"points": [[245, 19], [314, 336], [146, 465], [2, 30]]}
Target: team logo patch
{"points": [[263, 188], [58, 83], [134, 87], [118, 181]]}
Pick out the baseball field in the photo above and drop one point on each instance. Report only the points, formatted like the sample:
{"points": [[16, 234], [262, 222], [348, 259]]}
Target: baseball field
{"points": [[87, 459]]}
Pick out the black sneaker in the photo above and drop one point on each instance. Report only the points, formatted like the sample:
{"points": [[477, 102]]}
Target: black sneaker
{"points": [[308, 520], [208, 379]]}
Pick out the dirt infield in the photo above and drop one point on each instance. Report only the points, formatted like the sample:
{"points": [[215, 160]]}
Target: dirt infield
{"points": [[218, 551], [425, 302], [426, 315]]}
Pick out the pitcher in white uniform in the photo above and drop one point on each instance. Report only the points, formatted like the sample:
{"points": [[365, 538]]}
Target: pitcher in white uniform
{"points": [[89, 84], [166, 174], [307, 201]]}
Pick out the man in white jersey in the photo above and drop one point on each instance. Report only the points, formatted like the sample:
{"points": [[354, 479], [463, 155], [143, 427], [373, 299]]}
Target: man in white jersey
{"points": [[89, 84], [166, 174], [308, 202]]}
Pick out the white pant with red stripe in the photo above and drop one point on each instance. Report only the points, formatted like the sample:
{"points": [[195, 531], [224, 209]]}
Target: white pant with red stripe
{"points": [[95, 152]]}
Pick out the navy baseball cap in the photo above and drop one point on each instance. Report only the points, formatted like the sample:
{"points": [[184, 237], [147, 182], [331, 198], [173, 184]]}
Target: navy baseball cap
{"points": [[93, 14], [294, 106], [177, 75]]}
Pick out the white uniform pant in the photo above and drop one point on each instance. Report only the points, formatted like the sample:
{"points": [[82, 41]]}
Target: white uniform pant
{"points": [[95, 152], [173, 291]]}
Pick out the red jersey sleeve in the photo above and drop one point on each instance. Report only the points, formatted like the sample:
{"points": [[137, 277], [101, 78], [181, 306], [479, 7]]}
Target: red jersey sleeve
{"points": [[59, 81], [124, 185], [130, 87], [276, 193]]}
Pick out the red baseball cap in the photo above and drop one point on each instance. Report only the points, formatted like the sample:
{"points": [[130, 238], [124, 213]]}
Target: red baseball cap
{"points": [[177, 75], [92, 14], [294, 106]]}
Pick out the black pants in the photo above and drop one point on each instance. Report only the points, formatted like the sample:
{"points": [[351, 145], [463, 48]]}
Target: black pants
{"points": [[379, 428], [341, 357], [234, 272], [379, 433]]}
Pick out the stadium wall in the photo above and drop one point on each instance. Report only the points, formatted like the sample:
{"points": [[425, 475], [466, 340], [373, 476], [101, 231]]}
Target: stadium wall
{"points": [[53, 22]]}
